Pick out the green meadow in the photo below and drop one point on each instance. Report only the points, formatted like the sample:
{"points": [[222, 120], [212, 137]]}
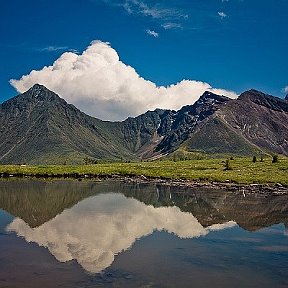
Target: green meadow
{"points": [[241, 170]]}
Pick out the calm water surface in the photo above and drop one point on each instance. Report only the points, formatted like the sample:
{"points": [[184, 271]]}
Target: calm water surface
{"points": [[111, 234]]}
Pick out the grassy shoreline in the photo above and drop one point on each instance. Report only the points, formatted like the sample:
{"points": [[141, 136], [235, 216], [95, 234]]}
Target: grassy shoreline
{"points": [[244, 171]]}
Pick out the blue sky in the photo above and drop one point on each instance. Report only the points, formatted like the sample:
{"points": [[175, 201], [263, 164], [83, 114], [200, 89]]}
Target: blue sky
{"points": [[234, 45]]}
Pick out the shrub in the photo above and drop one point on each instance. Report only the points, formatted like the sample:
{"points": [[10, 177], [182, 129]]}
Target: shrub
{"points": [[254, 159], [275, 159]]}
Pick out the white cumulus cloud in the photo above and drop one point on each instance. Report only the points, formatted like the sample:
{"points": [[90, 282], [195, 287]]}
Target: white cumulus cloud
{"points": [[92, 233], [101, 85], [286, 89]]}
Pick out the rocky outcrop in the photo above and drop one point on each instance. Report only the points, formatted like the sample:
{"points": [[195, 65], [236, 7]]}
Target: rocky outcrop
{"points": [[182, 124]]}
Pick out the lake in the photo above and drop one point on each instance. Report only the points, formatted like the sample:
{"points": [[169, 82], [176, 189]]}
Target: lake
{"points": [[69, 233]]}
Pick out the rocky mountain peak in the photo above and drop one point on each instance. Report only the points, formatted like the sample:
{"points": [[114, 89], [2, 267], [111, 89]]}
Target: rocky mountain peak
{"points": [[40, 93], [210, 101], [271, 102], [37, 97], [286, 97], [252, 94], [37, 87], [209, 95]]}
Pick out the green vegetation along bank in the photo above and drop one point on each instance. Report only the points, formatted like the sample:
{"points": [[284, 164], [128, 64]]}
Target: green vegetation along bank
{"points": [[238, 170]]}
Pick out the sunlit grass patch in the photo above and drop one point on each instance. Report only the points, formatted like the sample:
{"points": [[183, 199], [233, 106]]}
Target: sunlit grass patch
{"points": [[243, 170]]}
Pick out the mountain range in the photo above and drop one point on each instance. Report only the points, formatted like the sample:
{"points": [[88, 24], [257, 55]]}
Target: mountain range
{"points": [[39, 127]]}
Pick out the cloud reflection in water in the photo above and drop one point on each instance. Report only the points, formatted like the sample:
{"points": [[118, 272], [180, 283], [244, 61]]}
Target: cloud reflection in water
{"points": [[100, 227]]}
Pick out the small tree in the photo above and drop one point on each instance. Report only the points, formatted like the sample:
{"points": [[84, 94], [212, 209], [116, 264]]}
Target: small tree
{"points": [[261, 158], [228, 165], [254, 159], [275, 159]]}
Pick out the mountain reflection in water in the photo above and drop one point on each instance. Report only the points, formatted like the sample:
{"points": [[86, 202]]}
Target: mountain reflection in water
{"points": [[96, 229], [103, 223]]}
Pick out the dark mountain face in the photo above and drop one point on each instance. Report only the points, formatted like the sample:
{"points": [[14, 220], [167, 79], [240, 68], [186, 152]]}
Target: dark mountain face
{"points": [[253, 123], [178, 126], [39, 127], [259, 118], [140, 130]]}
